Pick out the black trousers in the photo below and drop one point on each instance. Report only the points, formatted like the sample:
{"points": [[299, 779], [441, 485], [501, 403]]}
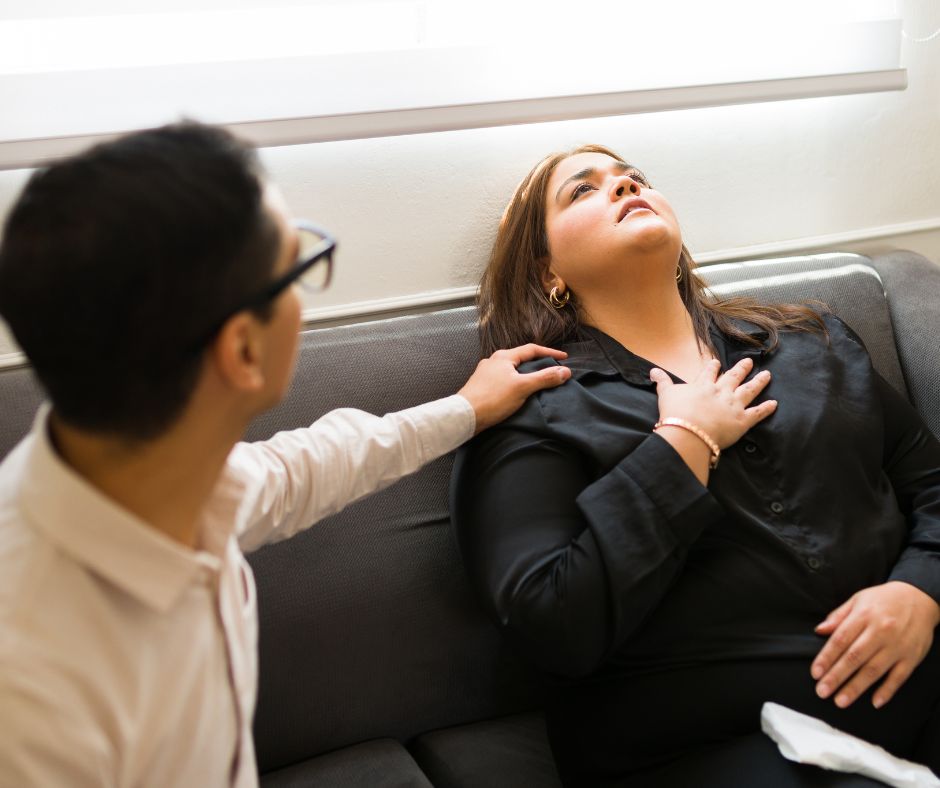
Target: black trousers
{"points": [[700, 726]]}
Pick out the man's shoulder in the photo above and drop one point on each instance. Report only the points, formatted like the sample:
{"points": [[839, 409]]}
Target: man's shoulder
{"points": [[21, 546], [32, 598], [50, 603], [13, 469], [44, 636]]}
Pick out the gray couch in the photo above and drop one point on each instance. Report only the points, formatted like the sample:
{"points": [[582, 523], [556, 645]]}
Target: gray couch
{"points": [[377, 667]]}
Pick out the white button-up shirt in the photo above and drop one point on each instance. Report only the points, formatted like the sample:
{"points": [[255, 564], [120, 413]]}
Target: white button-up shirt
{"points": [[127, 659]]}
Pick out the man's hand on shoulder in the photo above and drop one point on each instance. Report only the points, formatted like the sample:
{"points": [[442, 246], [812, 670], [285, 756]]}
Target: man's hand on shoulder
{"points": [[497, 389]]}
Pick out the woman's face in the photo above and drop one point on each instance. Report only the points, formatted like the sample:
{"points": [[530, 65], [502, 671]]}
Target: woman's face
{"points": [[597, 229]]}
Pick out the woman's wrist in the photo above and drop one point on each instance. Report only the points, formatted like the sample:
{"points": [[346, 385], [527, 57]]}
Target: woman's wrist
{"points": [[691, 450], [698, 432]]}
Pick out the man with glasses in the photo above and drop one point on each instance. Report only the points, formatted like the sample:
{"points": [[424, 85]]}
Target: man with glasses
{"points": [[149, 281]]}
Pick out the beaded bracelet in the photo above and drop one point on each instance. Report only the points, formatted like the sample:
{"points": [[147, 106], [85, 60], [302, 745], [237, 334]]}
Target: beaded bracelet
{"points": [[698, 432]]}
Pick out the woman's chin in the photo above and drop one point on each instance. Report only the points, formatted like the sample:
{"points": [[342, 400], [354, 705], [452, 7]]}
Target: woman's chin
{"points": [[654, 236]]}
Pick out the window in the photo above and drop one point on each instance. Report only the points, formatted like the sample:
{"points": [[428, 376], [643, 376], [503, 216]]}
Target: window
{"points": [[289, 72]]}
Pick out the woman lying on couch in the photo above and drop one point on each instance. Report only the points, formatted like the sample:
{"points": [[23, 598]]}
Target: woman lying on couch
{"points": [[667, 595]]}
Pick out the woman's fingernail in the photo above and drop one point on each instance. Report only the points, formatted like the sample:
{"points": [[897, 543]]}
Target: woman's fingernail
{"points": [[816, 672], [877, 702], [822, 690], [842, 701]]}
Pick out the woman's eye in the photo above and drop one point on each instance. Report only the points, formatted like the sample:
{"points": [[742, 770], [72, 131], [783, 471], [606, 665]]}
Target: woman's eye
{"points": [[580, 189]]}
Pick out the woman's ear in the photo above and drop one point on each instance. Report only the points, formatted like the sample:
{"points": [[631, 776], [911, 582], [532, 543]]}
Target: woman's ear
{"points": [[238, 353], [550, 279]]}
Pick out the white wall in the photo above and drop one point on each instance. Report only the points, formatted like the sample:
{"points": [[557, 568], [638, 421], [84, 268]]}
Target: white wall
{"points": [[416, 215]]}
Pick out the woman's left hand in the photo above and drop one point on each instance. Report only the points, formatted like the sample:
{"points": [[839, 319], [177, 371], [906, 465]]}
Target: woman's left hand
{"points": [[884, 630]]}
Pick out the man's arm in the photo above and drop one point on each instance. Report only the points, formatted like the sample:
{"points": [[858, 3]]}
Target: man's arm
{"points": [[296, 478]]}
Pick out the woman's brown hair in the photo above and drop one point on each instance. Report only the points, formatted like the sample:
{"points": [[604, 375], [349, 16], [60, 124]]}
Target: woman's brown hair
{"points": [[514, 308]]}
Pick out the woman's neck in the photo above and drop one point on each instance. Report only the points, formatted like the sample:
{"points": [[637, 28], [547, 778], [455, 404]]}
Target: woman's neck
{"points": [[652, 322]]}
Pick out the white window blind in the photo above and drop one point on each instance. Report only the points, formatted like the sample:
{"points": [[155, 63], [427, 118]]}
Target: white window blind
{"points": [[290, 72]]}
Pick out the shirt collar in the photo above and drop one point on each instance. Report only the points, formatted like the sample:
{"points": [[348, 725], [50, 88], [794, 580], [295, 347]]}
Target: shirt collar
{"points": [[732, 350], [99, 533], [596, 352]]}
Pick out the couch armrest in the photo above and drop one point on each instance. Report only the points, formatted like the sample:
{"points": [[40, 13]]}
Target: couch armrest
{"points": [[912, 288]]}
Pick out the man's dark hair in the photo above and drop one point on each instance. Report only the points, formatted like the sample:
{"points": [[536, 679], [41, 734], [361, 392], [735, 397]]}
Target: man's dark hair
{"points": [[116, 266]]}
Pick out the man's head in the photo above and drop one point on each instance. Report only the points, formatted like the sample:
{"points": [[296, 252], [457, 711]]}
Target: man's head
{"points": [[121, 266]]}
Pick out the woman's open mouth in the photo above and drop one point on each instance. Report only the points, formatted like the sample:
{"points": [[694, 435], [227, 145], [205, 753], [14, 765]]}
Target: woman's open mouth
{"points": [[631, 206]]}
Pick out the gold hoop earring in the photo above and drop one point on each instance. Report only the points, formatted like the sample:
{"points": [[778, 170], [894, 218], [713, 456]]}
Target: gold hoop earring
{"points": [[678, 273], [555, 301]]}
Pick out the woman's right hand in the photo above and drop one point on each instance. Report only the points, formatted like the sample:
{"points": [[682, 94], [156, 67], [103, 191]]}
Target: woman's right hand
{"points": [[717, 404]]}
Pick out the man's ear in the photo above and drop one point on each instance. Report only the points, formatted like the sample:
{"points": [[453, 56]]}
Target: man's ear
{"points": [[238, 353]]}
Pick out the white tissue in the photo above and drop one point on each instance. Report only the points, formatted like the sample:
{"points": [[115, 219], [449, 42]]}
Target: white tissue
{"points": [[805, 739]]}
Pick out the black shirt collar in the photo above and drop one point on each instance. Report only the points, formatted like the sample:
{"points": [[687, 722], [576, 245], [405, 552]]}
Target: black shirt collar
{"points": [[596, 352]]}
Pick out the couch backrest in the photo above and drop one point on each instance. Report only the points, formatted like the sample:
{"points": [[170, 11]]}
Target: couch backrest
{"points": [[368, 626]]}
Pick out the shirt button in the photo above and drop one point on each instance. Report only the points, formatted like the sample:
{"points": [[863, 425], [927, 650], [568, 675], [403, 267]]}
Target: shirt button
{"points": [[750, 448], [813, 563], [776, 507]]}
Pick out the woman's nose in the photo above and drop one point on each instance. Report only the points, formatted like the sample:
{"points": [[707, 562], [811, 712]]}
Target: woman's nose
{"points": [[622, 186]]}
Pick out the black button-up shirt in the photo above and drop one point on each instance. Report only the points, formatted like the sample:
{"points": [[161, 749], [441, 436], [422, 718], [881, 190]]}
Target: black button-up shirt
{"points": [[595, 548]]}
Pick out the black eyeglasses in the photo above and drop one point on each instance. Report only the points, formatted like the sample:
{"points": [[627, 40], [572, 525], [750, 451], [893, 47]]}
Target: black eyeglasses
{"points": [[312, 270]]}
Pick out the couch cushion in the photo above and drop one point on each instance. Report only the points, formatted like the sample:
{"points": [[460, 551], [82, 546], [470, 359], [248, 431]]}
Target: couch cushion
{"points": [[376, 764], [505, 753]]}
